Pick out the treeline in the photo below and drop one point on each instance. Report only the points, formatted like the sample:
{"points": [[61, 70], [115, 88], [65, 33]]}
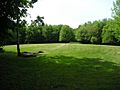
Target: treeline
{"points": [[106, 31], [36, 33]]}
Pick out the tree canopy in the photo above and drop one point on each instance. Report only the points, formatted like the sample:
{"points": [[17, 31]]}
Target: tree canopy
{"points": [[10, 11]]}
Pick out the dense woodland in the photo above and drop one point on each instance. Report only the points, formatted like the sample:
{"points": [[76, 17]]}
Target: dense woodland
{"points": [[106, 31]]}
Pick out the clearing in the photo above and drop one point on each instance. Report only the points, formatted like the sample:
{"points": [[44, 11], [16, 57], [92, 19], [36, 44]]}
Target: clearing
{"points": [[61, 67]]}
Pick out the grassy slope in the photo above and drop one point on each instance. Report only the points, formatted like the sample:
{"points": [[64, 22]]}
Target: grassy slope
{"points": [[61, 67]]}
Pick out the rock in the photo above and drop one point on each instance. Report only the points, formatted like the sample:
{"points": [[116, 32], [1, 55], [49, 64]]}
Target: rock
{"points": [[29, 54]]}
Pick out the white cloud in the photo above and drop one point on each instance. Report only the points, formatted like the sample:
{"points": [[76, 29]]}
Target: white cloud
{"points": [[71, 12]]}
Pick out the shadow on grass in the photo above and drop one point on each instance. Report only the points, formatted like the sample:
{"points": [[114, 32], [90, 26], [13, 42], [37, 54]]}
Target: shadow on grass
{"points": [[58, 73]]}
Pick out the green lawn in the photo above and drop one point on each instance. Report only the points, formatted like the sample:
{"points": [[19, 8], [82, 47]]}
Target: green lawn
{"points": [[61, 67]]}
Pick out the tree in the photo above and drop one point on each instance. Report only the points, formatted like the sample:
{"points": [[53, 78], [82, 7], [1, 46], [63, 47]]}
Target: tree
{"points": [[56, 32], [23, 31], [116, 9], [66, 34], [34, 33], [39, 20], [38, 34], [111, 32], [47, 33], [11, 12], [91, 32], [84, 32]]}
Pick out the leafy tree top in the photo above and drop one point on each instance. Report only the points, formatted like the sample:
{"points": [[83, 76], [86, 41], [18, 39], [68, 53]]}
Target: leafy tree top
{"points": [[11, 10], [116, 9]]}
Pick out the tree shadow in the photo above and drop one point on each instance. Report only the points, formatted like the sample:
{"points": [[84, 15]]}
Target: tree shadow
{"points": [[59, 73], [88, 73]]}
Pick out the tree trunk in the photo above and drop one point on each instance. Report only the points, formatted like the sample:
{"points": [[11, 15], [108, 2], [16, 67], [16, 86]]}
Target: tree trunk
{"points": [[18, 46]]}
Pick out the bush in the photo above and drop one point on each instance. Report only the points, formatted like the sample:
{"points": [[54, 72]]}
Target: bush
{"points": [[94, 40]]}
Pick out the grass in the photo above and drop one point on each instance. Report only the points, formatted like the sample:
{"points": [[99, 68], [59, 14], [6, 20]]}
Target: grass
{"points": [[61, 67]]}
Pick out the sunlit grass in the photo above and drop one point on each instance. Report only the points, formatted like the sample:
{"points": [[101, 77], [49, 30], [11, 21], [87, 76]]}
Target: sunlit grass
{"points": [[61, 67]]}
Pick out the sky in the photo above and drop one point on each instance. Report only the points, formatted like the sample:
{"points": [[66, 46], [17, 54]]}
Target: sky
{"points": [[71, 12]]}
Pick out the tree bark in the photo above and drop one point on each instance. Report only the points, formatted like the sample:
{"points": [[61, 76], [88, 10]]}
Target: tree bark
{"points": [[18, 46]]}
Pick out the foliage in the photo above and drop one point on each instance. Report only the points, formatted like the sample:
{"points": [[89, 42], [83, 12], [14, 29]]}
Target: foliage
{"points": [[83, 35], [66, 34], [111, 32], [94, 40], [11, 9], [34, 34], [10, 12], [116, 9], [91, 32], [108, 33]]}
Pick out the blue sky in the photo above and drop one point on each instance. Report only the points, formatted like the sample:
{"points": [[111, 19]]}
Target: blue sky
{"points": [[71, 12]]}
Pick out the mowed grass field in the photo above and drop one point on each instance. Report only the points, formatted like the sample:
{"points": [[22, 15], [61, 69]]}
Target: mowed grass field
{"points": [[61, 67]]}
